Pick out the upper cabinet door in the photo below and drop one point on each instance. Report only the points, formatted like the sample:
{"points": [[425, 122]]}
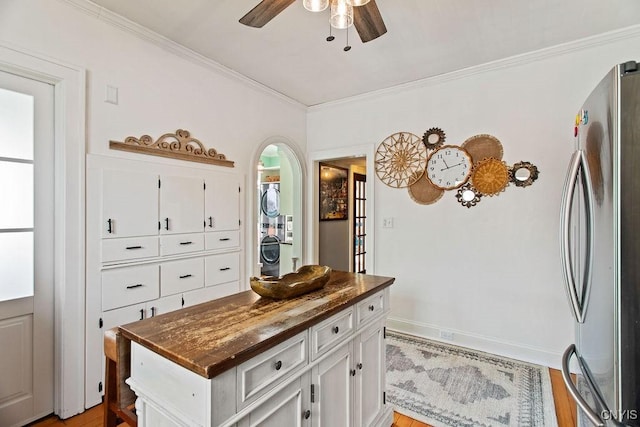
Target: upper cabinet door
{"points": [[129, 204], [181, 205], [222, 203]]}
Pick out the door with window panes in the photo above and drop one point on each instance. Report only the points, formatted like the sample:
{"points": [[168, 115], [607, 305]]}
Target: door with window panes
{"points": [[26, 249], [359, 222]]}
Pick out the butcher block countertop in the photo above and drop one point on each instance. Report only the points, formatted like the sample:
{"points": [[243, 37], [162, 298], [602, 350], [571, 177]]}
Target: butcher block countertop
{"points": [[215, 336]]}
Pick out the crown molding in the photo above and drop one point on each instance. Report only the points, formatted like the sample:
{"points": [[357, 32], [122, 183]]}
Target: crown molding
{"points": [[177, 49], [512, 61]]}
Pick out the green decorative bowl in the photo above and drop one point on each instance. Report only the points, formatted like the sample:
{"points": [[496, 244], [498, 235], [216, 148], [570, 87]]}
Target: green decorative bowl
{"points": [[308, 278]]}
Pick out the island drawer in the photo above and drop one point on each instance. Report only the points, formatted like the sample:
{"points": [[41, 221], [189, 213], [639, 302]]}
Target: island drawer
{"points": [[222, 240], [181, 244], [257, 375], [222, 268], [371, 308], [129, 285], [331, 332], [130, 248], [181, 276]]}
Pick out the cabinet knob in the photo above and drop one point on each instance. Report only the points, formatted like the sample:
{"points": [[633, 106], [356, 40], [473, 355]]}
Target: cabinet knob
{"points": [[278, 365], [307, 414], [371, 308], [336, 329], [359, 365]]}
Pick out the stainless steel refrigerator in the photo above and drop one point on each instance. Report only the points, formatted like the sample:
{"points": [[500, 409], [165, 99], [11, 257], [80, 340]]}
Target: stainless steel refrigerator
{"points": [[600, 244]]}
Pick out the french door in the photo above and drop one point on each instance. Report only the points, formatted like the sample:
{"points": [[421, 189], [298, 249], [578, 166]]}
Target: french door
{"points": [[26, 249]]}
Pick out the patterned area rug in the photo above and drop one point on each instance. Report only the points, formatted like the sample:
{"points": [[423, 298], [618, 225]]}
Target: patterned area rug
{"points": [[445, 385]]}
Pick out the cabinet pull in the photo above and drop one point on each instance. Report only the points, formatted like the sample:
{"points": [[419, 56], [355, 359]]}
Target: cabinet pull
{"points": [[307, 414], [133, 247], [153, 311], [336, 329], [210, 222], [225, 268], [109, 226], [186, 243], [371, 308], [138, 285], [166, 223], [278, 365], [352, 372], [359, 365], [224, 239], [183, 300], [185, 276], [141, 313]]}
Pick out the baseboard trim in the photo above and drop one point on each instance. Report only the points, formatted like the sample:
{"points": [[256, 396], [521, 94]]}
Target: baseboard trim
{"points": [[486, 344]]}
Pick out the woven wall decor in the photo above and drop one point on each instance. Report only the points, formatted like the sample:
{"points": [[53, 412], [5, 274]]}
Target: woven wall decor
{"points": [[483, 146], [490, 176], [401, 159], [424, 192]]}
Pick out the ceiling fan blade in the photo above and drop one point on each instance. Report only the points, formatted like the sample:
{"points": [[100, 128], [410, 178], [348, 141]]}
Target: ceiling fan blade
{"points": [[264, 12], [368, 21]]}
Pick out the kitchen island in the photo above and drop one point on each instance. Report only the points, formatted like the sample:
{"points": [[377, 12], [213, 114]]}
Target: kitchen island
{"points": [[314, 360]]}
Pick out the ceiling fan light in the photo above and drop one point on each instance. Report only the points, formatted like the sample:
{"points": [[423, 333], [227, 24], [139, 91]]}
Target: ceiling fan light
{"points": [[357, 2], [341, 14], [315, 5]]}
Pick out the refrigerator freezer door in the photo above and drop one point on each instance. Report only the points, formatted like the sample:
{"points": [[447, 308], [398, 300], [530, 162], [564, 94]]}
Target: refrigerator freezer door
{"points": [[586, 405]]}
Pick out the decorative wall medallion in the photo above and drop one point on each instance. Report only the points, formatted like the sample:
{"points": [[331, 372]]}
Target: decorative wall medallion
{"points": [[179, 145], [401, 159], [424, 192], [483, 146], [468, 196], [449, 167], [490, 176], [433, 138], [522, 174]]}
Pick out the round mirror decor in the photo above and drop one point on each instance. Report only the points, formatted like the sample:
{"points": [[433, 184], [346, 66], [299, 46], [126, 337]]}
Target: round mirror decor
{"points": [[468, 196], [401, 160], [523, 174], [433, 138]]}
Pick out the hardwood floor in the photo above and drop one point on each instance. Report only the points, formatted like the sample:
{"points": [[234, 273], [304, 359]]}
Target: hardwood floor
{"points": [[565, 411]]}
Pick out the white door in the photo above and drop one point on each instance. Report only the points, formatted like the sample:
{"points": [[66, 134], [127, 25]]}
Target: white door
{"points": [[26, 249], [370, 374], [333, 390], [181, 205], [222, 203]]}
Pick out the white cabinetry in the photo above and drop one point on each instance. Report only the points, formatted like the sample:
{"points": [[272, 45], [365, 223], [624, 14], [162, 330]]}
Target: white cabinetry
{"points": [[147, 247], [318, 378]]}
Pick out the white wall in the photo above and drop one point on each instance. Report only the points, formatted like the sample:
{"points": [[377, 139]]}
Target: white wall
{"points": [[491, 274]]}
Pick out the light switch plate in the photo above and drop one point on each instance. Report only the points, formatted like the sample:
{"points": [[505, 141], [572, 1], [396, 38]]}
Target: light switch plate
{"points": [[111, 95], [387, 222]]}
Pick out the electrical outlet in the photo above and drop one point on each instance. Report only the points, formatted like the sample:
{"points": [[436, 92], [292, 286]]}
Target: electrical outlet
{"points": [[446, 335], [387, 222]]}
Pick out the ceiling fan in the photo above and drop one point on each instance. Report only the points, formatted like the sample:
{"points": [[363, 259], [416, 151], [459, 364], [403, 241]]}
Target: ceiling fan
{"points": [[366, 18]]}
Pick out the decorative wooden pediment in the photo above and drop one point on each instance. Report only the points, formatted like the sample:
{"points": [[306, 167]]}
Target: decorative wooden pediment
{"points": [[179, 145]]}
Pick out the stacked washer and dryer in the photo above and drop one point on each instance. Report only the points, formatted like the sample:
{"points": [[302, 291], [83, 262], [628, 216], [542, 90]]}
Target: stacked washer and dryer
{"points": [[272, 228]]}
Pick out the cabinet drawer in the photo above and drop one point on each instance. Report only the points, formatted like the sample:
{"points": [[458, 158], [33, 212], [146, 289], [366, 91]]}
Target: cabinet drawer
{"points": [[180, 276], [129, 285], [131, 248], [264, 371], [122, 316], [222, 240], [181, 244], [222, 268], [210, 293], [331, 332], [370, 308]]}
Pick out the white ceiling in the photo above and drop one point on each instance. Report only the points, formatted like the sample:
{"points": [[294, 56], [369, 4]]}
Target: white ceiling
{"points": [[425, 38]]}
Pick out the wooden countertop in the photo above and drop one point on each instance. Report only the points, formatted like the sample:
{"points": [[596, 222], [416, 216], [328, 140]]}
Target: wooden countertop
{"points": [[215, 336]]}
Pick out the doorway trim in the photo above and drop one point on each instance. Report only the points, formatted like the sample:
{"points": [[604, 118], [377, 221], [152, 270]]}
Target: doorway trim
{"points": [[252, 216], [69, 197], [313, 223]]}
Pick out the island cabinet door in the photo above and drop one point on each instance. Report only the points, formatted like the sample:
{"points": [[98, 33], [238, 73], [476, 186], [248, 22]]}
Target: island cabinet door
{"points": [[289, 407], [332, 389], [369, 358]]}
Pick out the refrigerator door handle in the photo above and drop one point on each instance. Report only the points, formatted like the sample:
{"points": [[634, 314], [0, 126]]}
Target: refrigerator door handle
{"points": [[579, 305], [565, 235], [573, 391]]}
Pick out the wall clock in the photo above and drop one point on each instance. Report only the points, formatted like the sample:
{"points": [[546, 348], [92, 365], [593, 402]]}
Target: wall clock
{"points": [[449, 167]]}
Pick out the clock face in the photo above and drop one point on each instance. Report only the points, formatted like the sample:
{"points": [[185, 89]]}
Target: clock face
{"points": [[449, 167]]}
